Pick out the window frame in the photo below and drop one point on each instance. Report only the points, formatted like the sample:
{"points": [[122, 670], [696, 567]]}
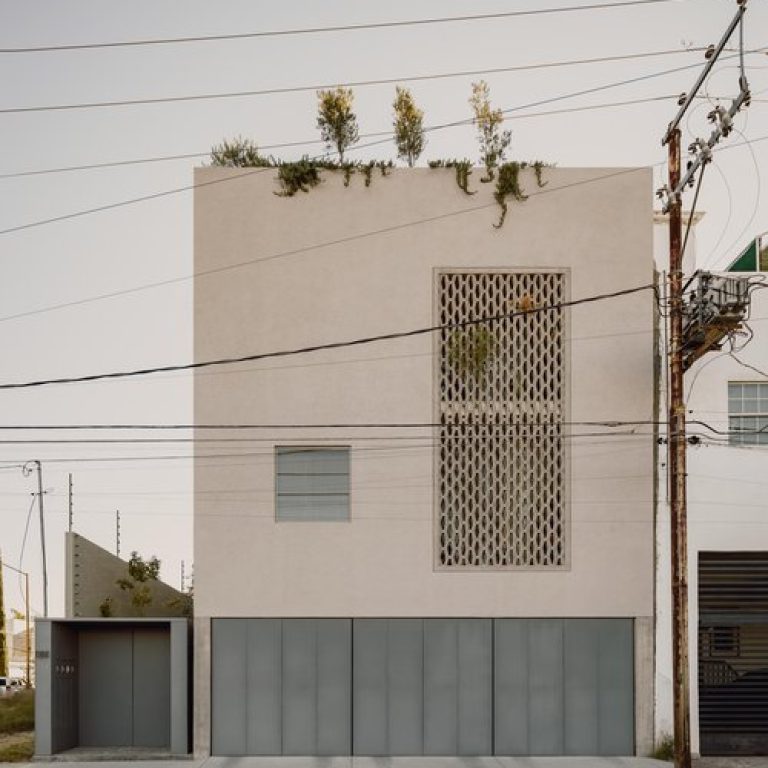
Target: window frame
{"points": [[747, 435], [301, 447]]}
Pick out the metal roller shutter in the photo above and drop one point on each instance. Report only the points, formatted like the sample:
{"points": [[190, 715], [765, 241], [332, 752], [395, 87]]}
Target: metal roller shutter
{"points": [[733, 653]]}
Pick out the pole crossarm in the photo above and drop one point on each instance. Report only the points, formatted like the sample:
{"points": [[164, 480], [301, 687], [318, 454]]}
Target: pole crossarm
{"points": [[712, 58], [703, 149]]}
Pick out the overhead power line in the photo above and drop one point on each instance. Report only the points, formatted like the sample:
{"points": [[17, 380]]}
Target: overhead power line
{"points": [[347, 84], [316, 246], [396, 335], [308, 142], [252, 171], [320, 30]]}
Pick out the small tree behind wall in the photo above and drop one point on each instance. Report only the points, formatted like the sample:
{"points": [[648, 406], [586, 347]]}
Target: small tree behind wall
{"points": [[336, 120], [409, 126], [493, 141]]}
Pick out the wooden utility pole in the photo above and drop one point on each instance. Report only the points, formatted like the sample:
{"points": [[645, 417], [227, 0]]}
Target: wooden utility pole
{"points": [[701, 151], [117, 532], [676, 445]]}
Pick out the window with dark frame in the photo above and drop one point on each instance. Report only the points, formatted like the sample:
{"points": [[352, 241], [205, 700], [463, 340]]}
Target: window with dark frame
{"points": [[312, 483]]}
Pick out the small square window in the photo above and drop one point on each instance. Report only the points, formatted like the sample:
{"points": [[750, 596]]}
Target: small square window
{"points": [[312, 483], [748, 413]]}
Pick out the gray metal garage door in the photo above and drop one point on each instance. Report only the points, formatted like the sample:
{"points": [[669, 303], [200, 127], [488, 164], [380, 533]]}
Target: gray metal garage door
{"points": [[564, 687], [124, 687], [423, 686], [281, 686]]}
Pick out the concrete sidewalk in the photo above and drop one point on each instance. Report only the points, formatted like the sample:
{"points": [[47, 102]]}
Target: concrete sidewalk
{"points": [[400, 762], [374, 762]]}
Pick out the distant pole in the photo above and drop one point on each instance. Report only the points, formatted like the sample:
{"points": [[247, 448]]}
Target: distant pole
{"points": [[117, 532], [70, 502], [182, 576], [26, 471]]}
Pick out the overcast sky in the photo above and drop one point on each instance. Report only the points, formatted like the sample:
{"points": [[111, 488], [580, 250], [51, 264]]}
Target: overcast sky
{"points": [[134, 246]]}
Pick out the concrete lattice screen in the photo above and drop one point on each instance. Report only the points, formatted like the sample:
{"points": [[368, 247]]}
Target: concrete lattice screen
{"points": [[502, 462]]}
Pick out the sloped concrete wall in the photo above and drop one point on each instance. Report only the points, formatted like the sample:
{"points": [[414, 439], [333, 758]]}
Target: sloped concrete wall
{"points": [[91, 577]]}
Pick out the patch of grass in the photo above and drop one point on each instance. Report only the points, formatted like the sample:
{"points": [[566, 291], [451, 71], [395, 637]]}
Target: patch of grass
{"points": [[17, 712], [17, 748], [665, 748]]}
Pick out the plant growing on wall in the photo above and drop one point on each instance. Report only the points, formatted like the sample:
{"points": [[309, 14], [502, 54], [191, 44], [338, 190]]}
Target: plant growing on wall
{"points": [[508, 184], [463, 169], [238, 153], [336, 120], [493, 141], [409, 126], [470, 350]]}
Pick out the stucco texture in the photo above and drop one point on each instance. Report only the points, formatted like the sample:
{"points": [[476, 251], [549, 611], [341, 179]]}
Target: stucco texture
{"points": [[340, 263]]}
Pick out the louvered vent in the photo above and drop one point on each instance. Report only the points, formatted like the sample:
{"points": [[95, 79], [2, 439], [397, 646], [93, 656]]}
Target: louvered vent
{"points": [[502, 388]]}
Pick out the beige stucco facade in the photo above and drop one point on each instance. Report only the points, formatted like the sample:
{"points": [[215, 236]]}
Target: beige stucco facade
{"points": [[342, 263]]}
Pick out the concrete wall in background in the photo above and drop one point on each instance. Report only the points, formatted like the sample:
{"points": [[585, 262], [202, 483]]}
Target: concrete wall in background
{"points": [[91, 577]]}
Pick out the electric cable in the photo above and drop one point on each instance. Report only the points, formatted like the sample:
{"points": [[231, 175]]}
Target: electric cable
{"points": [[346, 84], [319, 30], [453, 124], [302, 249], [396, 335]]}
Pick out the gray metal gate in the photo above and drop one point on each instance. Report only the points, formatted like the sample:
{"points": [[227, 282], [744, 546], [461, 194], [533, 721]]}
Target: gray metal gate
{"points": [[423, 686], [733, 653], [124, 687]]}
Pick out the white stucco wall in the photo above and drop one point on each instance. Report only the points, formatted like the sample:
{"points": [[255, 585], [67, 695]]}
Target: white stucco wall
{"points": [[726, 496], [342, 263]]}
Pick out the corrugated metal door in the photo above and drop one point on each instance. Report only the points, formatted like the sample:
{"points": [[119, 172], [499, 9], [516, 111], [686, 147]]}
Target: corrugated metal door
{"points": [[733, 653]]}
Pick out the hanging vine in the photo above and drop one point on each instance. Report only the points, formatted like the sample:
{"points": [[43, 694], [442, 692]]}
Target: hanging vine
{"points": [[508, 184], [463, 170]]}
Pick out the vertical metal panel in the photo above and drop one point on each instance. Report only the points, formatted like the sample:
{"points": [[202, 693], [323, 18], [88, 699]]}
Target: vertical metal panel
{"points": [[180, 686], [616, 686], [228, 687], [64, 665], [106, 682], [262, 670], [475, 672], [152, 687], [511, 709], [299, 687], [334, 687], [405, 682], [441, 687], [545, 686], [581, 688], [369, 687], [457, 687]]}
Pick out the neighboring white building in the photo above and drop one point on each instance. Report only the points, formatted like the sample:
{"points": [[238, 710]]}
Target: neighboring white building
{"points": [[478, 577], [727, 402]]}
